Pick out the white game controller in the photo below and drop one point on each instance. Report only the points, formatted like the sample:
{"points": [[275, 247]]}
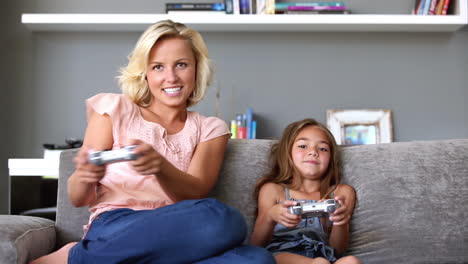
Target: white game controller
{"points": [[110, 156], [312, 209]]}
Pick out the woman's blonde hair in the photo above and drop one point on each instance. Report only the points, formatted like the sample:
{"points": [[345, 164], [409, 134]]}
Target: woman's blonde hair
{"points": [[132, 79], [282, 169]]}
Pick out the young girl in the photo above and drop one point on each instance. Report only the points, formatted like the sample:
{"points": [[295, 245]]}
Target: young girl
{"points": [[150, 210], [305, 168]]}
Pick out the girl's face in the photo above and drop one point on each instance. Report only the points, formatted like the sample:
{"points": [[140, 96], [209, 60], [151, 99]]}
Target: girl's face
{"points": [[311, 152], [171, 72]]}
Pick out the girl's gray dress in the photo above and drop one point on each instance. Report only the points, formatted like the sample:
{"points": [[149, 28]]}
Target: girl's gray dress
{"points": [[308, 238]]}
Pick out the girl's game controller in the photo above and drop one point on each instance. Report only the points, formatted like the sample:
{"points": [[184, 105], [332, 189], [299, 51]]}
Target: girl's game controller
{"points": [[104, 157], [313, 209]]}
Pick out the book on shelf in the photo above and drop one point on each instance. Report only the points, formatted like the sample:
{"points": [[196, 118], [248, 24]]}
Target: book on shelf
{"points": [[259, 7], [336, 7], [245, 6], [316, 8], [420, 8], [431, 7], [195, 7], [270, 7], [440, 6], [229, 5], [241, 127], [233, 129], [235, 4], [416, 7], [285, 6], [244, 126], [445, 7], [316, 12], [248, 122], [197, 12], [425, 10]]}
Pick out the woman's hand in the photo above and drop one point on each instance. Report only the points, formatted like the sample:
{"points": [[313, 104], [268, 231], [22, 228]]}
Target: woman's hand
{"points": [[341, 216], [280, 214], [149, 160], [82, 183], [87, 172]]}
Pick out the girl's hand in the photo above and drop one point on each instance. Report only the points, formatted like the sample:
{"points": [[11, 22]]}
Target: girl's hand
{"points": [[87, 172], [149, 160], [280, 214], [340, 216]]}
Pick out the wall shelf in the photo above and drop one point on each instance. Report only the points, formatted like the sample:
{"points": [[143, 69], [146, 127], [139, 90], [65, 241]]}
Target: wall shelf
{"points": [[251, 23], [33, 167]]}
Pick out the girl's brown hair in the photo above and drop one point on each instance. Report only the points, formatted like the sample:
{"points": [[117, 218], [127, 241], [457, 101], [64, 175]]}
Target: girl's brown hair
{"points": [[282, 169]]}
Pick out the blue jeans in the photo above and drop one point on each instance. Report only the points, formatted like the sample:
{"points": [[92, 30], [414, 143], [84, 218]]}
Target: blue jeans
{"points": [[192, 231]]}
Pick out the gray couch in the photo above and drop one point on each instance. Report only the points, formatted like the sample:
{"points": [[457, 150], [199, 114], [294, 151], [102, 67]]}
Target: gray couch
{"points": [[411, 204]]}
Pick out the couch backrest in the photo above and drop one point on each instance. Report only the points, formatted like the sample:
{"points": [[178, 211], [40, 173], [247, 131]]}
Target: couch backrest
{"points": [[410, 206], [69, 220], [411, 201], [244, 163]]}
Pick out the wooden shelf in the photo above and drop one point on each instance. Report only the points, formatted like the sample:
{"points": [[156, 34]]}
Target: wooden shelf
{"points": [[251, 23]]}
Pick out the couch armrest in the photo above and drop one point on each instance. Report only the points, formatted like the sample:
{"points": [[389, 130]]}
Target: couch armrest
{"points": [[24, 238]]}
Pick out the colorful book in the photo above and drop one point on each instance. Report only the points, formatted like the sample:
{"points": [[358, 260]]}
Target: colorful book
{"points": [[253, 6], [316, 12], [254, 130], [249, 119], [244, 6], [427, 4], [417, 6], [315, 8], [261, 7], [195, 6], [233, 129], [236, 7], [270, 7], [244, 127], [196, 12], [445, 8], [241, 128], [440, 6], [284, 6], [229, 5], [432, 8], [421, 7]]}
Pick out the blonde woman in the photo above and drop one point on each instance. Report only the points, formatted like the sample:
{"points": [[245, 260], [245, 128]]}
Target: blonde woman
{"points": [[151, 210]]}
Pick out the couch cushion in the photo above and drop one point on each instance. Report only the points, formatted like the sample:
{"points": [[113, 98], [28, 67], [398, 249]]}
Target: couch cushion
{"points": [[24, 238], [244, 164], [69, 219], [411, 201]]}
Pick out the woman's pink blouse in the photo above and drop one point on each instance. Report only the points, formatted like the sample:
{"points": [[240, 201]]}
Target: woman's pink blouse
{"points": [[122, 187]]}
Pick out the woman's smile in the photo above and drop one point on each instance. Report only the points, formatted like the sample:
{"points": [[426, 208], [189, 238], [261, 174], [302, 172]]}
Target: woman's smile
{"points": [[173, 91]]}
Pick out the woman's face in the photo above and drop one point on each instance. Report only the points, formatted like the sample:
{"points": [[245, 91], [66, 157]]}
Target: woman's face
{"points": [[171, 72], [311, 152]]}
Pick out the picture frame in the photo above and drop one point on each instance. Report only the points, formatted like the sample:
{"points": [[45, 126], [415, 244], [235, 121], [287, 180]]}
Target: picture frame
{"points": [[360, 127]]}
